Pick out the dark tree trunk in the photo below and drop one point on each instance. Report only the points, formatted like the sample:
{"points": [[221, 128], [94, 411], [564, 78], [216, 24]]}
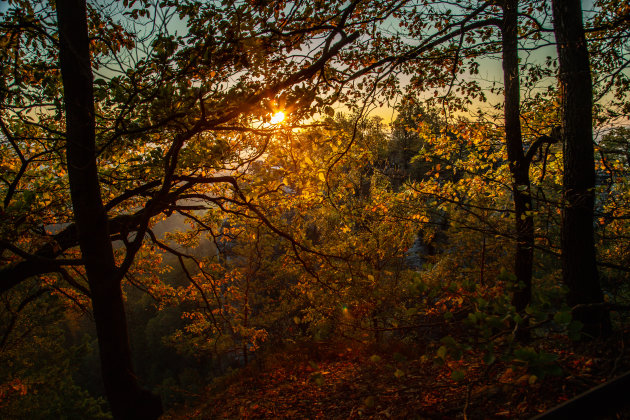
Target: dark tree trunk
{"points": [[579, 270], [127, 399], [524, 223]]}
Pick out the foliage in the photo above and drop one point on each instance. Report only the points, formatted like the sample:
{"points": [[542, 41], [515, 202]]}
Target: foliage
{"points": [[40, 363], [329, 225]]}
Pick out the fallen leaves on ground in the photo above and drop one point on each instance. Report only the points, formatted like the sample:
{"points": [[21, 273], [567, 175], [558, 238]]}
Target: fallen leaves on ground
{"points": [[351, 381]]}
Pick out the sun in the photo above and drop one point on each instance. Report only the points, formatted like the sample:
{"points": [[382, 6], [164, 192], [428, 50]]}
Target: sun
{"points": [[277, 118]]}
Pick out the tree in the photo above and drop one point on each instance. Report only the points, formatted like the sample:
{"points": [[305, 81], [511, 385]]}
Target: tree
{"points": [[39, 364], [406, 142], [579, 269], [126, 398], [154, 130], [482, 18], [519, 166]]}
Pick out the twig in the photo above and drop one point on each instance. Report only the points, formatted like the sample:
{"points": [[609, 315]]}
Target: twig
{"points": [[468, 392]]}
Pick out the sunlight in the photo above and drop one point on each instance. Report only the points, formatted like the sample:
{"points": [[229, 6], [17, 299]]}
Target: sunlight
{"points": [[277, 118]]}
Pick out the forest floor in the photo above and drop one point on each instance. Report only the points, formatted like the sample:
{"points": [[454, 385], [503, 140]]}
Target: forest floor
{"points": [[347, 380]]}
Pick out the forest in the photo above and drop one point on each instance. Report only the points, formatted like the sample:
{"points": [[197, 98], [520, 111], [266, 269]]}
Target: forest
{"points": [[314, 209]]}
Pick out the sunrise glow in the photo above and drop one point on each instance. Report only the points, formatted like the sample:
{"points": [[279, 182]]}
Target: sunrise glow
{"points": [[277, 118]]}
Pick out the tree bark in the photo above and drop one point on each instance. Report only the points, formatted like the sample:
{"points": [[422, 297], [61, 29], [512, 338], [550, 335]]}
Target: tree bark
{"points": [[579, 270], [127, 399], [519, 167]]}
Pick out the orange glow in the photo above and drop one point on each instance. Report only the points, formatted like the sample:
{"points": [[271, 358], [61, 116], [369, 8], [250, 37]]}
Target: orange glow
{"points": [[277, 118]]}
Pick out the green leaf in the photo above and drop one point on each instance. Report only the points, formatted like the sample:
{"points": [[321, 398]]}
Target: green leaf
{"points": [[457, 375], [546, 358], [411, 311], [489, 358], [575, 330], [399, 357], [525, 354], [555, 370], [318, 378], [449, 341], [441, 353], [563, 317]]}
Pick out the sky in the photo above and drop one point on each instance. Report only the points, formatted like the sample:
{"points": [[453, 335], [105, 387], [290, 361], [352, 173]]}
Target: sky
{"points": [[490, 70]]}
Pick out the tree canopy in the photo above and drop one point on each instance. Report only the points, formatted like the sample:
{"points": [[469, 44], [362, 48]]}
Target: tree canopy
{"points": [[202, 182]]}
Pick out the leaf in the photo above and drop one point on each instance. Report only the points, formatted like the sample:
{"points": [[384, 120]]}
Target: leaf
{"points": [[321, 177], [574, 330], [457, 375], [399, 373], [441, 353], [318, 378], [399, 357], [525, 354], [563, 317], [546, 358], [489, 358], [449, 341]]}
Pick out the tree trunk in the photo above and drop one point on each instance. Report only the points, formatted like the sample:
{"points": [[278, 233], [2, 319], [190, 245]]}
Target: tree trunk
{"points": [[127, 399], [519, 167], [579, 270]]}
